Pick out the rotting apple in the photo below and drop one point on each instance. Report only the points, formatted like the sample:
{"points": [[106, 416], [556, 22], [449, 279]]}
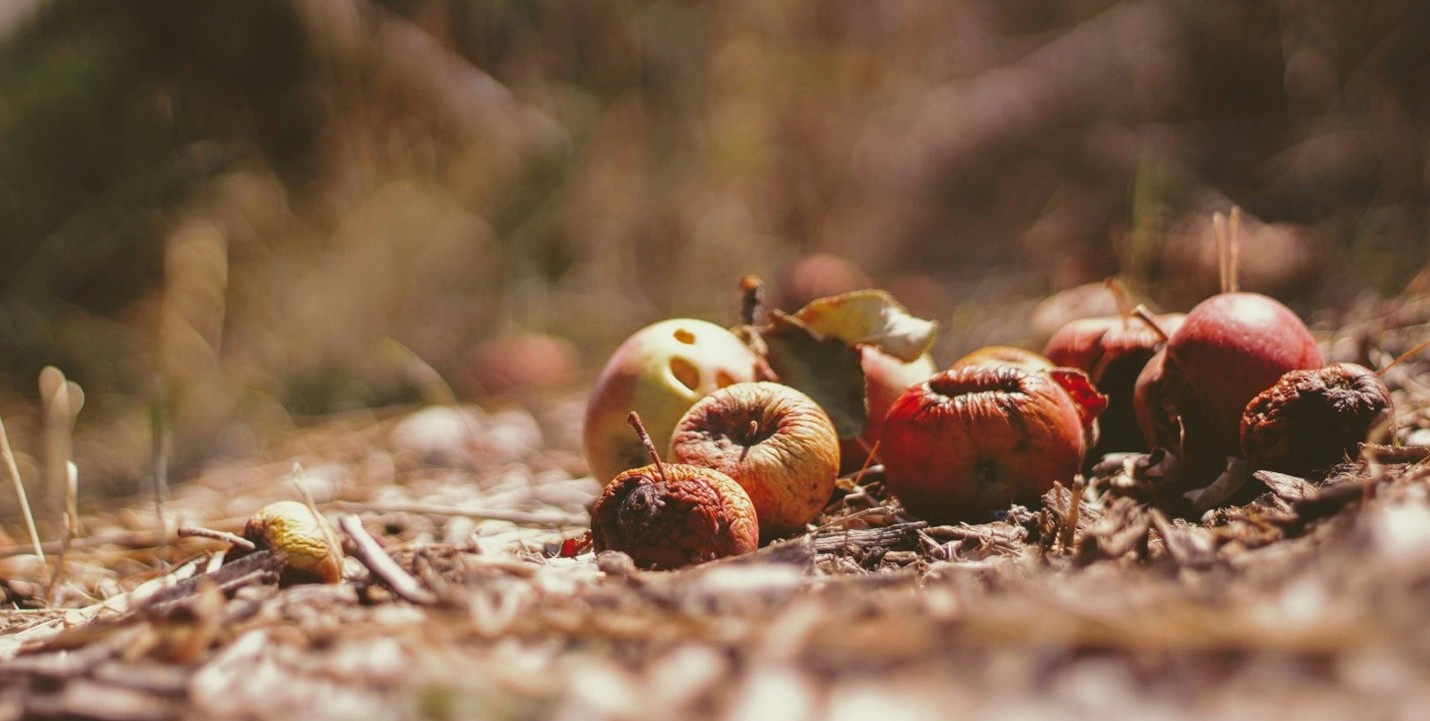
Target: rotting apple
{"points": [[1312, 419], [672, 515], [971, 440], [1112, 350], [775, 441], [1231, 347], [659, 371]]}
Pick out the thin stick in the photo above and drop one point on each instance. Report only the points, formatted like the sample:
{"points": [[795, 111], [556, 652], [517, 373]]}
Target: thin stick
{"points": [[1233, 256], [225, 536], [298, 475], [1219, 233], [1398, 359], [752, 299], [868, 461], [372, 556], [13, 470], [635, 420], [71, 528], [1075, 492], [159, 450], [1144, 315]]}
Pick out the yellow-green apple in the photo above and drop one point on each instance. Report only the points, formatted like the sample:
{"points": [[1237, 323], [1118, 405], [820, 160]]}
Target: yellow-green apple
{"points": [[659, 371], [775, 441]]}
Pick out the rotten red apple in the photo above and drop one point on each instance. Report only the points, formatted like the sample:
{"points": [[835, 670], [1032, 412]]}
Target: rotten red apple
{"points": [[972, 440], [1112, 350], [672, 515], [1313, 419]]}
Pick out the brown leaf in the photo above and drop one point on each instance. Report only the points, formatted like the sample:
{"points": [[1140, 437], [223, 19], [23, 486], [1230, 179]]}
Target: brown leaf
{"points": [[825, 369]]}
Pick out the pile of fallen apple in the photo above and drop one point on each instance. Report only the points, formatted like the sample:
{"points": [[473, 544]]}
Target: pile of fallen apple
{"points": [[757, 422]]}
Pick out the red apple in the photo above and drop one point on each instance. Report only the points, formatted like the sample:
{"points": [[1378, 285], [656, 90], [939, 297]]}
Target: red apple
{"points": [[1230, 348], [975, 439], [886, 377], [1112, 350], [775, 441], [660, 371]]}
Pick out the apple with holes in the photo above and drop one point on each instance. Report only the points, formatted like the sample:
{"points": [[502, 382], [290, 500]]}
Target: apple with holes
{"points": [[660, 371]]}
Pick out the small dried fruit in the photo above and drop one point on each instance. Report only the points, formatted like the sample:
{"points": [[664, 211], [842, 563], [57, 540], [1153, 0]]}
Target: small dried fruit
{"points": [[303, 537], [674, 515], [1311, 419]]}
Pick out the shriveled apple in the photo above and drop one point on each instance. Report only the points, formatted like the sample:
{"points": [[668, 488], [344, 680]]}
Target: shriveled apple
{"points": [[776, 442], [975, 439]]}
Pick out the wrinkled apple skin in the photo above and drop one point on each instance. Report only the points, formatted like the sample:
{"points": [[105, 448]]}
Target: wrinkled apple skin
{"points": [[1113, 352], [674, 516], [1313, 419], [886, 377], [659, 372], [975, 439], [1230, 348], [775, 441]]}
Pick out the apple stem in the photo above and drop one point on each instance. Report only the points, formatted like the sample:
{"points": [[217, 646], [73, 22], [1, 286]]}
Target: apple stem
{"points": [[752, 299], [1403, 356], [1233, 254], [1119, 296], [1219, 234], [753, 430], [1144, 315], [635, 420]]}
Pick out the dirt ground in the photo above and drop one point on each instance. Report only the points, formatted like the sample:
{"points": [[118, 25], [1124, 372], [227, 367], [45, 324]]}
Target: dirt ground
{"points": [[1302, 598]]}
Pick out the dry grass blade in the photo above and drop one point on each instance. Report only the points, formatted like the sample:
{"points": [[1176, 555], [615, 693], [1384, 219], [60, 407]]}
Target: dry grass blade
{"points": [[13, 470]]}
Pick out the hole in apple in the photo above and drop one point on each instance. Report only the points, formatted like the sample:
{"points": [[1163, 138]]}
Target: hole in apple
{"points": [[685, 336], [685, 372], [723, 379]]}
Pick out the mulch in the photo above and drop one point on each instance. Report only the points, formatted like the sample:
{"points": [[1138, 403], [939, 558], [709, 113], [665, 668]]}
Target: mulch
{"points": [[1268, 594]]}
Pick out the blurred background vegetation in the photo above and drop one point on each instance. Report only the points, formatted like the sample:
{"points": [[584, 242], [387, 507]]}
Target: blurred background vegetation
{"points": [[251, 213]]}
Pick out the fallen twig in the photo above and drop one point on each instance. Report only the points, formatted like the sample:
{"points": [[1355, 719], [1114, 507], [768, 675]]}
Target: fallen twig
{"points": [[370, 554], [196, 532]]}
